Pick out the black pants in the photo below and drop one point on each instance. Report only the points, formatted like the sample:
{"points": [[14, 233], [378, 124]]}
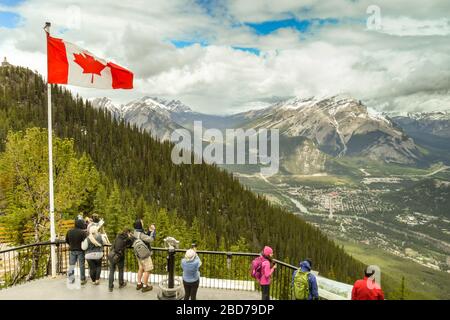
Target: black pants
{"points": [[190, 289], [265, 290], [112, 270], [95, 269]]}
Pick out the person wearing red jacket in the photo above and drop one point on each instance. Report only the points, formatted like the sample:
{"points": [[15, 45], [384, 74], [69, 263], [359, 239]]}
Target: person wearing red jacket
{"points": [[367, 288]]}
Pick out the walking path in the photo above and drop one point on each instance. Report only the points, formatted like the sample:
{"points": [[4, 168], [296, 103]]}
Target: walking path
{"points": [[56, 289]]}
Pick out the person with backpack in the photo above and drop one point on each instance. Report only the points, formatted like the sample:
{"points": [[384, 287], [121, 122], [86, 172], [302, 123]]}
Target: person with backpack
{"points": [[262, 270], [191, 274], [304, 283], [142, 250], [74, 237], [93, 247], [116, 257], [367, 288]]}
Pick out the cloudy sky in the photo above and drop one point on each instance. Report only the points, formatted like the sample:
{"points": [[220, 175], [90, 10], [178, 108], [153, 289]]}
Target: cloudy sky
{"points": [[227, 56]]}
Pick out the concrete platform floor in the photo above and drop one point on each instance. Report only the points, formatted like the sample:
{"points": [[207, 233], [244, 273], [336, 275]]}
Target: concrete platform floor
{"points": [[57, 289]]}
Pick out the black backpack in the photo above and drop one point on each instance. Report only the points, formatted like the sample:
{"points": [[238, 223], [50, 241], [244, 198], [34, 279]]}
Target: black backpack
{"points": [[115, 254]]}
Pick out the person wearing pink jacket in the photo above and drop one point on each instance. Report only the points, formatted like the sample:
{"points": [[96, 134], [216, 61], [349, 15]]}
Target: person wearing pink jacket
{"points": [[267, 269]]}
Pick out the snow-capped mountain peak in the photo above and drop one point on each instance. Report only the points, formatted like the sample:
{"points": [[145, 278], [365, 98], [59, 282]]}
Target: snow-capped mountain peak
{"points": [[173, 105], [332, 106], [152, 114], [107, 104], [434, 115], [339, 125], [434, 123], [144, 103]]}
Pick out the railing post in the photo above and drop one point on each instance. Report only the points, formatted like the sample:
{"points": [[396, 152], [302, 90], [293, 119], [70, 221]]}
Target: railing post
{"points": [[171, 267], [58, 258], [229, 256]]}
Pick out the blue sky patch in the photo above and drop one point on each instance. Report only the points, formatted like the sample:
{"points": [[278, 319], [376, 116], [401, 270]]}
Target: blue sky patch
{"points": [[254, 51], [188, 43], [208, 5], [9, 19], [267, 27], [10, 3]]}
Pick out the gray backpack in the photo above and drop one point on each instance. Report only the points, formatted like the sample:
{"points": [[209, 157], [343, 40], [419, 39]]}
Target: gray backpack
{"points": [[141, 250]]}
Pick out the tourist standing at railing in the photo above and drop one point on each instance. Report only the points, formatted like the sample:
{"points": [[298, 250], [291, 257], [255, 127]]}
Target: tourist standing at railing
{"points": [[142, 249], [191, 274], [151, 231], [74, 238], [95, 221], [304, 283], [367, 288], [93, 246], [116, 257], [268, 266]]}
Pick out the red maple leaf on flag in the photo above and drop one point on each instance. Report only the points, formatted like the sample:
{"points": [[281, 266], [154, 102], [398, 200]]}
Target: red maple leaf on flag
{"points": [[89, 64]]}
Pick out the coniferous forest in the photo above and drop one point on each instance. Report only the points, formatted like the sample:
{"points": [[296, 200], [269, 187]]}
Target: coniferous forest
{"points": [[131, 175]]}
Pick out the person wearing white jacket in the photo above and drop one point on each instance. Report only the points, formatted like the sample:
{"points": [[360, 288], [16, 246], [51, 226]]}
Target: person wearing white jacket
{"points": [[95, 221], [93, 246]]}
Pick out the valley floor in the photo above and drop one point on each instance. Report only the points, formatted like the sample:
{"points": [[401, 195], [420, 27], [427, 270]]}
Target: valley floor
{"points": [[375, 227], [420, 282]]}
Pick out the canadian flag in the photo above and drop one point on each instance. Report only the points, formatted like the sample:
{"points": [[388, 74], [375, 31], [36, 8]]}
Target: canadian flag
{"points": [[70, 64]]}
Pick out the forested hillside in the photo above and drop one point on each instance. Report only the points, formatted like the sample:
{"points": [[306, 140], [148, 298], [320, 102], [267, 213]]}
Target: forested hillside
{"points": [[137, 171]]}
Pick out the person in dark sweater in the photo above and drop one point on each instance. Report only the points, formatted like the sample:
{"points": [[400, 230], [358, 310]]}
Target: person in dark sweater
{"points": [[74, 238], [117, 257]]}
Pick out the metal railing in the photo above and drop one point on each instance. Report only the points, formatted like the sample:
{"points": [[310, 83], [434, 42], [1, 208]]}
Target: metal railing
{"points": [[220, 270], [24, 263]]}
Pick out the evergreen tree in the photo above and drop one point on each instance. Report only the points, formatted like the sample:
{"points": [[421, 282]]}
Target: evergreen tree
{"points": [[114, 212], [24, 179], [133, 164]]}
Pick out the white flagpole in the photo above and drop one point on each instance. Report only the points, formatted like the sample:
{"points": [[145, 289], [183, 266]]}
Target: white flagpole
{"points": [[50, 171]]}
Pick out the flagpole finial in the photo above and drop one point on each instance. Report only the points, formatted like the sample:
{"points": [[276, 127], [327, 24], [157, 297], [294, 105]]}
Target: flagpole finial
{"points": [[47, 27]]}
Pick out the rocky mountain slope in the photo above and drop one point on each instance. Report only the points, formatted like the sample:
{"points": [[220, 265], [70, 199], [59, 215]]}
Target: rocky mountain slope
{"points": [[329, 126], [436, 123], [339, 126], [151, 114]]}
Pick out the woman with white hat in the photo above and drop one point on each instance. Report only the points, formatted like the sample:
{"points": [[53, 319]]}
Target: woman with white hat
{"points": [[191, 274]]}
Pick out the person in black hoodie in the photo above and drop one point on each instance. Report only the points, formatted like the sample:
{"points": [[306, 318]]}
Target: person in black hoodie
{"points": [[74, 238], [117, 257]]}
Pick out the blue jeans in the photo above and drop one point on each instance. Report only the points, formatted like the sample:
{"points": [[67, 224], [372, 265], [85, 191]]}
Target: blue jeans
{"points": [[75, 256]]}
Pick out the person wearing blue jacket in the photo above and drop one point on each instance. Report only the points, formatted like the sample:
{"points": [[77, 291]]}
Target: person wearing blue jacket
{"points": [[191, 274], [305, 266]]}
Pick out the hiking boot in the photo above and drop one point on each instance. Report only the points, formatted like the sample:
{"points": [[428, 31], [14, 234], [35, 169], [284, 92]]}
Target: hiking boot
{"points": [[123, 285], [139, 286], [83, 282], [147, 288]]}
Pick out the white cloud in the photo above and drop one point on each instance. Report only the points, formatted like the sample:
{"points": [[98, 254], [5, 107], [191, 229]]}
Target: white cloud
{"points": [[404, 26], [264, 10], [410, 54]]}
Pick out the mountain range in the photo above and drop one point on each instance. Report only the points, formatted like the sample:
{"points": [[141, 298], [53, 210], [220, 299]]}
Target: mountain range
{"points": [[200, 203], [214, 198], [311, 129]]}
